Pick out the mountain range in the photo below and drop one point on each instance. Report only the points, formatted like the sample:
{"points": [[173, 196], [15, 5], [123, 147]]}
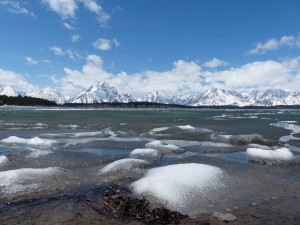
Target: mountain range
{"points": [[104, 92]]}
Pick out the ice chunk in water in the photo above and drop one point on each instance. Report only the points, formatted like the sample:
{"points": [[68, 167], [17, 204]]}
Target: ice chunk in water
{"points": [[3, 160], [278, 156], [164, 148], [148, 154], [179, 186], [36, 141], [35, 153], [25, 179], [123, 166]]}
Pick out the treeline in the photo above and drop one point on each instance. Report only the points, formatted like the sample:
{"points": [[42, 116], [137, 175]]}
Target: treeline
{"points": [[25, 101]]}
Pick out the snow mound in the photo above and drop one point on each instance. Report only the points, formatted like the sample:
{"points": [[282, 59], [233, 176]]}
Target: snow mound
{"points": [[179, 186], [278, 156], [164, 148], [25, 180], [123, 166], [36, 141], [147, 154], [3, 160]]}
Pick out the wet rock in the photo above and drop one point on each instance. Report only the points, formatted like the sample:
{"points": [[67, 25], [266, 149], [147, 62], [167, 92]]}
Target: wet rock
{"points": [[120, 205]]}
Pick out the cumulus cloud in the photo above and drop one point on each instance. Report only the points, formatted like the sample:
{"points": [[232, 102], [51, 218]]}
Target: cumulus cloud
{"points": [[31, 61], [66, 9], [274, 44], [185, 77], [105, 44], [15, 80], [215, 62], [96, 8], [264, 74], [15, 7]]}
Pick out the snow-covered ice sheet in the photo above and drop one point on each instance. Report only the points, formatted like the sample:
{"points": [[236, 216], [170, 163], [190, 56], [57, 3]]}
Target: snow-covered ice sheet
{"points": [[164, 148], [150, 155], [123, 166], [36, 141], [278, 156], [3, 160], [179, 186]]}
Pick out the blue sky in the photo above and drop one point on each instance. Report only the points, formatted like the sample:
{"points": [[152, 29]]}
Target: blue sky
{"points": [[140, 46]]}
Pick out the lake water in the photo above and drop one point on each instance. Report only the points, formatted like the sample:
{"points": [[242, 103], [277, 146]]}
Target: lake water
{"points": [[49, 153]]}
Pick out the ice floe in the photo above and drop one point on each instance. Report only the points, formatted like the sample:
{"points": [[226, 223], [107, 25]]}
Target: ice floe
{"points": [[123, 166], [36, 141], [150, 155], [164, 148], [3, 160], [179, 186], [26, 180], [289, 125], [158, 129], [278, 156]]}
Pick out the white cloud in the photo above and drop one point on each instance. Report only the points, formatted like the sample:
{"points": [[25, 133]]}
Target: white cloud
{"points": [[215, 62], [15, 7], [95, 8], [15, 80], [265, 74], [68, 26], [66, 9], [183, 77], [31, 61], [105, 44], [274, 44], [56, 50], [186, 77], [75, 38]]}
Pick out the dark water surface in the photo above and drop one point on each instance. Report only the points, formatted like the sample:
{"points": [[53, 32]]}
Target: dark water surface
{"points": [[55, 158]]}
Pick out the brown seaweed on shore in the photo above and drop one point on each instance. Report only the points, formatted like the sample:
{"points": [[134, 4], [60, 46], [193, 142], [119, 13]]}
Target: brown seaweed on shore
{"points": [[120, 205]]}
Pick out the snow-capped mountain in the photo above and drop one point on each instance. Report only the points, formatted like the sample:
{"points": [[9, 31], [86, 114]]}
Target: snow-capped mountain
{"points": [[101, 92], [158, 97], [9, 91], [49, 94]]}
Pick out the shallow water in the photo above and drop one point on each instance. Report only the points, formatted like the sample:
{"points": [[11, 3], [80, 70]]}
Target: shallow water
{"points": [[77, 144]]}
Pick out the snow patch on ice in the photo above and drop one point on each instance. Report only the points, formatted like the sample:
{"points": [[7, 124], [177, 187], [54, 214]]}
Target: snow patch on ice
{"points": [[278, 156], [3, 160], [259, 146], [187, 127], [164, 148], [147, 154], [123, 166], [181, 186], [36, 141], [158, 129], [25, 180]]}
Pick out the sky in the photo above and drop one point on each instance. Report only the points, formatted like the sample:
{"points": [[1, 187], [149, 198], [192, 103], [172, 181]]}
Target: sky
{"points": [[139, 46]]}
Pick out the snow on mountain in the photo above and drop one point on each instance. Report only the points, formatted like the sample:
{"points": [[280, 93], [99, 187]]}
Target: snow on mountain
{"points": [[101, 92], [9, 91], [49, 94], [216, 97], [158, 97]]}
